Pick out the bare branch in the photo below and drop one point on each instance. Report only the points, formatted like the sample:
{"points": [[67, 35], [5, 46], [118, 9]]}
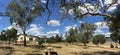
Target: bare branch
{"points": [[94, 14]]}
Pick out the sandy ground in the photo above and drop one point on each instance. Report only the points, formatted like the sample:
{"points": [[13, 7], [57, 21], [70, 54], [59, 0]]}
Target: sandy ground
{"points": [[64, 50]]}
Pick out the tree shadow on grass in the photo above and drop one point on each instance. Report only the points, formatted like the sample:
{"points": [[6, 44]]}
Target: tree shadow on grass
{"points": [[107, 53], [97, 53], [41, 47]]}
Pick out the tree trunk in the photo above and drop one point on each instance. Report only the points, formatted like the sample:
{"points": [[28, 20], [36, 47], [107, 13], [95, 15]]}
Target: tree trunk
{"points": [[25, 44], [98, 44], [116, 45], [9, 41], [84, 44]]}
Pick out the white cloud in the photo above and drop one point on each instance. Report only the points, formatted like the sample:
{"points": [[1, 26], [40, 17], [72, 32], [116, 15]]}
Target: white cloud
{"points": [[108, 2], [112, 8], [83, 10], [53, 23], [75, 25], [81, 22], [16, 27], [43, 1], [67, 28], [91, 8], [35, 30], [101, 25], [9, 27], [19, 30], [118, 1], [53, 33], [33, 25], [107, 34], [98, 31], [101, 2], [12, 26], [70, 11], [101, 29]]}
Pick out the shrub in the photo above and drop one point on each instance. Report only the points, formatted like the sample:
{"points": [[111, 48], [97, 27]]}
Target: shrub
{"points": [[99, 39]]}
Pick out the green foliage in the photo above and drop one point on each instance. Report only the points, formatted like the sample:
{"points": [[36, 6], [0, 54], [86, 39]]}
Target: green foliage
{"points": [[72, 36], [114, 26], [3, 36], [11, 34], [53, 39], [23, 12], [43, 39], [83, 39], [8, 35], [58, 38], [99, 39], [82, 34], [85, 32]]}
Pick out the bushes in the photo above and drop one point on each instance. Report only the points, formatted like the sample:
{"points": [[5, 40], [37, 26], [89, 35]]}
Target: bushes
{"points": [[98, 39]]}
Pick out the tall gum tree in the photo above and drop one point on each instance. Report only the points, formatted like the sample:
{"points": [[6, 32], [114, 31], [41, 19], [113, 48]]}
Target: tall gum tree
{"points": [[23, 13]]}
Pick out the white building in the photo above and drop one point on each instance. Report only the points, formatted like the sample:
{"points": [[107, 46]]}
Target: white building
{"points": [[29, 39]]}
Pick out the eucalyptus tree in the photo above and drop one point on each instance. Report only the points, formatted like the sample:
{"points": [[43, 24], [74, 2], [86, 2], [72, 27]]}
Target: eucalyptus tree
{"points": [[85, 32], [23, 13], [11, 34], [72, 35], [83, 8], [3, 35], [114, 26]]}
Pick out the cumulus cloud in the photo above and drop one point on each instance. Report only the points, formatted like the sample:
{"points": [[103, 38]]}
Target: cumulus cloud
{"points": [[98, 31], [81, 22], [107, 34], [53, 33], [112, 8], [53, 23], [9, 27], [83, 10], [70, 11], [67, 28], [16, 27], [75, 25], [101, 25], [108, 2], [101, 29], [12, 26], [118, 1], [35, 30], [43, 1], [91, 8]]}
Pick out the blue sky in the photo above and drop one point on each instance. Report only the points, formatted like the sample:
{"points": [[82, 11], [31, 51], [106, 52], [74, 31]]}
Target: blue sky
{"points": [[55, 25]]}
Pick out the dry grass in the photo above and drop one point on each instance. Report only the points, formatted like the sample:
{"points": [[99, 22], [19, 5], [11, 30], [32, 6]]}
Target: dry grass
{"points": [[60, 48], [71, 49]]}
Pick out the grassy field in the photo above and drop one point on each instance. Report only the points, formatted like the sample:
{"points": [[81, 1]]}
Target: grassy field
{"points": [[61, 49]]}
